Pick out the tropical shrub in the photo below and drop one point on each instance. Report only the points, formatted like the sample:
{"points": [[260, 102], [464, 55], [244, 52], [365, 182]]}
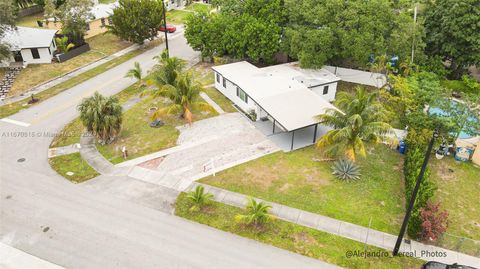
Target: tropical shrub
{"points": [[63, 45], [434, 222], [102, 116], [346, 170], [256, 213], [199, 198]]}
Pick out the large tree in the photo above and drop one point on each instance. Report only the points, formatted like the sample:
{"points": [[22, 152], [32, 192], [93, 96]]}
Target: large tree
{"points": [[7, 23], [74, 16], [137, 20], [453, 32]]}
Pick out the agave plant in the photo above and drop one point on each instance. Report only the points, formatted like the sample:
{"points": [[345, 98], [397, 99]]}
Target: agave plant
{"points": [[199, 198], [346, 170]]}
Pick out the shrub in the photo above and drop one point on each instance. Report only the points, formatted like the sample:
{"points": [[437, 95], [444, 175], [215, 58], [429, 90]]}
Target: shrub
{"points": [[434, 222], [346, 170], [199, 198], [256, 213]]}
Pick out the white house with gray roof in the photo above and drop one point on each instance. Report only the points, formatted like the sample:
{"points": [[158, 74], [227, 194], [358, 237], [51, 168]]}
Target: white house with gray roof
{"points": [[287, 95], [30, 45]]}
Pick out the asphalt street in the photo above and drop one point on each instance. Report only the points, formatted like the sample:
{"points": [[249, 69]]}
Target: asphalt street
{"points": [[70, 225]]}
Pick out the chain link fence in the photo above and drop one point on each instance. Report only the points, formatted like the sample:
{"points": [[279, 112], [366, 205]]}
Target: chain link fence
{"points": [[459, 244]]}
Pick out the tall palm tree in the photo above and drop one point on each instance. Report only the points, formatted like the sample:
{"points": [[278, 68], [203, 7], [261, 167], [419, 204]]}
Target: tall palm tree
{"points": [[166, 72], [360, 121], [185, 97], [137, 73], [102, 116], [199, 197], [257, 213]]}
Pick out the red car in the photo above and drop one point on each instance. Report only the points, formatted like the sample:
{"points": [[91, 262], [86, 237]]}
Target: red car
{"points": [[170, 28]]}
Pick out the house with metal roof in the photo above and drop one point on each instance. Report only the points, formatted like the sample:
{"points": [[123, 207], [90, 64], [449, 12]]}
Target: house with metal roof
{"points": [[30, 45], [287, 95]]}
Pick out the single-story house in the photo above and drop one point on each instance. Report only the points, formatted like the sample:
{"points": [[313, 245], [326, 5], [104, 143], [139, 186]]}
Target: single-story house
{"points": [[30, 45], [289, 96], [173, 4], [100, 17]]}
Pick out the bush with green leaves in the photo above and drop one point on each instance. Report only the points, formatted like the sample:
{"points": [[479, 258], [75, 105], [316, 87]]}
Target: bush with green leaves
{"points": [[256, 213], [346, 170], [199, 198]]}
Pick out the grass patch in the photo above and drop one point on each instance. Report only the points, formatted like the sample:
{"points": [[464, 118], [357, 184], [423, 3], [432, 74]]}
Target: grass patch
{"points": [[141, 139], [458, 184], [30, 20], [220, 99], [203, 73], [177, 16], [292, 237], [15, 107], [101, 45], [199, 7], [295, 179], [456, 85], [73, 163]]}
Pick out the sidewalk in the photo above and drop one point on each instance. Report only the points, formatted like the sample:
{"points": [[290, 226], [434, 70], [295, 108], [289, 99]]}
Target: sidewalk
{"points": [[11, 258], [344, 229]]}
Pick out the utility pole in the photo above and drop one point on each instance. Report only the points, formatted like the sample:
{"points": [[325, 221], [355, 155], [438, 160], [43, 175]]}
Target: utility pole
{"points": [[414, 194], [413, 32], [165, 27]]}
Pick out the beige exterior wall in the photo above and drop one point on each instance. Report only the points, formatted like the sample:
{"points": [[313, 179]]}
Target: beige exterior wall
{"points": [[476, 156], [95, 27]]}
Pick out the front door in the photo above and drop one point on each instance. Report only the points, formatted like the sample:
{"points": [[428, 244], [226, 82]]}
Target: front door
{"points": [[17, 55]]}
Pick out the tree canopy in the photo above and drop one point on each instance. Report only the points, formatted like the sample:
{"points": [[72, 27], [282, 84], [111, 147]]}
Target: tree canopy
{"points": [[7, 22], [137, 20], [453, 32]]}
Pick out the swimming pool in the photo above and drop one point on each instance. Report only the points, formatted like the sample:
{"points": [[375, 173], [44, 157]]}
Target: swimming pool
{"points": [[464, 134]]}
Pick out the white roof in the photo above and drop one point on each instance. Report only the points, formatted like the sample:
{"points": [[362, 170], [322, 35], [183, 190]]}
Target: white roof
{"points": [[26, 37], [103, 10], [277, 90]]}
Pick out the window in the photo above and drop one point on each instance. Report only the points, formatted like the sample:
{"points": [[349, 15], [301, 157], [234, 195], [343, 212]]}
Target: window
{"points": [[53, 43], [325, 90], [35, 53], [110, 21], [49, 51], [218, 77], [224, 83], [103, 22], [242, 95], [88, 26]]}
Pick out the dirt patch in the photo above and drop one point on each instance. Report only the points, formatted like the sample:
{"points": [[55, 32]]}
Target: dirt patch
{"points": [[262, 177], [313, 177], [304, 238], [445, 172], [285, 187], [152, 164]]}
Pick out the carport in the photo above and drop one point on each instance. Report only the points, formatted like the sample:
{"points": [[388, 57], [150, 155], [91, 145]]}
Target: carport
{"points": [[294, 113]]}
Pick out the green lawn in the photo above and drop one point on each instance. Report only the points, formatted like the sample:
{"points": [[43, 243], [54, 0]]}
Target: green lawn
{"points": [[15, 107], [203, 73], [199, 7], [30, 21], [73, 163], [177, 16], [141, 139], [101, 45], [220, 99], [297, 180], [292, 237], [458, 185]]}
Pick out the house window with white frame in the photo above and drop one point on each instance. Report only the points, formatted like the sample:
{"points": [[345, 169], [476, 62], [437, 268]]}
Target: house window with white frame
{"points": [[242, 95], [325, 90], [224, 83], [218, 77]]}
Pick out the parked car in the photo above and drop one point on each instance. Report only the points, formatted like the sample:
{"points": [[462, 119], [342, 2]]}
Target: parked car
{"points": [[170, 28], [439, 265]]}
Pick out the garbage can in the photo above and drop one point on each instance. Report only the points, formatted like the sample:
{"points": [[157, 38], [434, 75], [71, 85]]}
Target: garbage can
{"points": [[402, 146]]}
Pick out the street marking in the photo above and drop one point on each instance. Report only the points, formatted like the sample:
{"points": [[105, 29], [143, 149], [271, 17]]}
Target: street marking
{"points": [[16, 122]]}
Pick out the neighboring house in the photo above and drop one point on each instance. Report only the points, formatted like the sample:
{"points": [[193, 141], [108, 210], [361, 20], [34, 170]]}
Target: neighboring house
{"points": [[100, 17], [174, 4], [289, 96], [30, 45]]}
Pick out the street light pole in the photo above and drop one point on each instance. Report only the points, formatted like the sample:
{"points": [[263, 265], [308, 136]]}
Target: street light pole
{"points": [[414, 194], [413, 35], [165, 27]]}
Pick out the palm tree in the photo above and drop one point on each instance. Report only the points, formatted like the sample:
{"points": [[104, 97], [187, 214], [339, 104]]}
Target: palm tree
{"points": [[199, 198], [136, 73], [257, 213], [359, 122], [185, 97], [166, 72], [102, 116]]}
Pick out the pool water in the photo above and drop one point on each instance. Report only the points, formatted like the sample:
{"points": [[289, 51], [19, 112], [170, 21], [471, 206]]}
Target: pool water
{"points": [[471, 119]]}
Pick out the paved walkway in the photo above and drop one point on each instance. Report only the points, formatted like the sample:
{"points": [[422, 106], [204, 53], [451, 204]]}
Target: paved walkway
{"points": [[12, 258], [342, 228], [212, 103], [55, 152]]}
